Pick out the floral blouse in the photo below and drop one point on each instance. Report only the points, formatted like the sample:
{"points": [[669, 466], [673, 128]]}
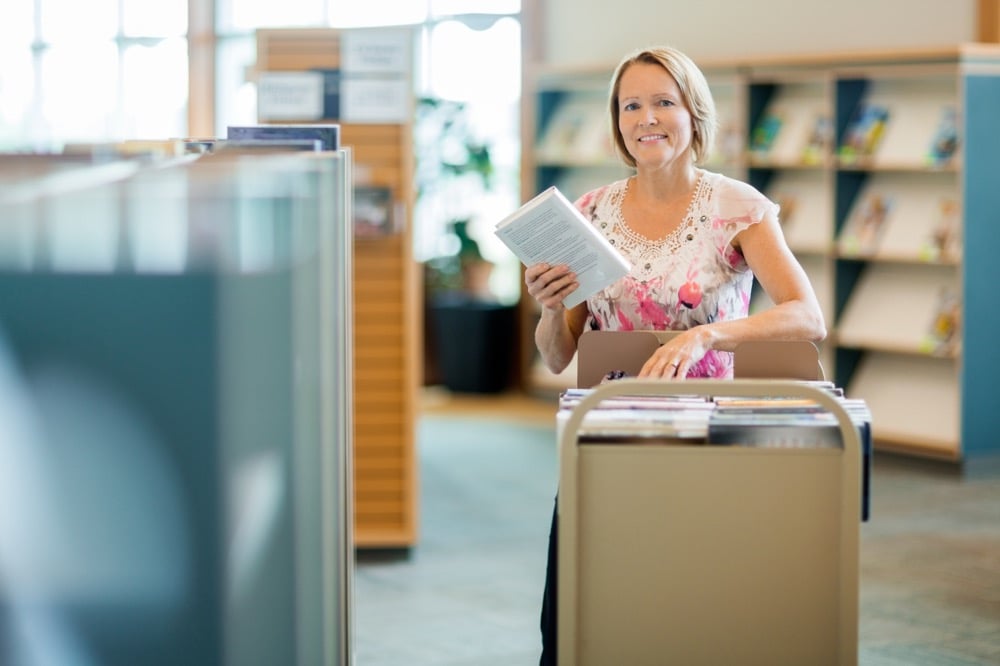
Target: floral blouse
{"points": [[691, 276]]}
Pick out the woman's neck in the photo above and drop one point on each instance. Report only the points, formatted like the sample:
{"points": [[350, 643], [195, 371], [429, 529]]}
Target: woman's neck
{"points": [[665, 184]]}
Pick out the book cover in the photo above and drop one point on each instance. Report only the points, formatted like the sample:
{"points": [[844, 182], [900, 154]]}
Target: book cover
{"points": [[818, 141], [944, 143], [864, 133], [945, 240], [549, 229], [864, 227], [327, 134], [560, 136], [764, 134], [944, 333]]}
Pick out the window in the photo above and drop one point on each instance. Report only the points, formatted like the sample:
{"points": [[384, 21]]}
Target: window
{"points": [[103, 70], [112, 70]]}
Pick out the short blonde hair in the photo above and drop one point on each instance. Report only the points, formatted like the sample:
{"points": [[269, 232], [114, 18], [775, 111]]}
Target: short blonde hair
{"points": [[695, 93]]}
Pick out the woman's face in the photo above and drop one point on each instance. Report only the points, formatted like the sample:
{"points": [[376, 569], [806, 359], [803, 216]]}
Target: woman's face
{"points": [[653, 119]]}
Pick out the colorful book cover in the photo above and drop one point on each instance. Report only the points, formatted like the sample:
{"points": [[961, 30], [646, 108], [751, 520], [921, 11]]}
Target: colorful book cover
{"points": [[944, 143], [864, 227], [818, 141], [765, 133], [945, 240], [865, 132], [943, 337]]}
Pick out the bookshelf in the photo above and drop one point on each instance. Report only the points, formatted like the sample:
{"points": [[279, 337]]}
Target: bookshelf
{"points": [[387, 322], [892, 217]]}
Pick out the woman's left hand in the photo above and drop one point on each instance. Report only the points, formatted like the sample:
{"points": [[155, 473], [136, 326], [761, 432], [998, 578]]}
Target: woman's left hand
{"points": [[675, 358]]}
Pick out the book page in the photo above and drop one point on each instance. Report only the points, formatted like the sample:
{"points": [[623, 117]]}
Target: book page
{"points": [[549, 229]]}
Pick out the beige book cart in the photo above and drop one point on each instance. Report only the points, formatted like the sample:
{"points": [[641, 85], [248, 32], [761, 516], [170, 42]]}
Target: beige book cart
{"points": [[703, 554]]}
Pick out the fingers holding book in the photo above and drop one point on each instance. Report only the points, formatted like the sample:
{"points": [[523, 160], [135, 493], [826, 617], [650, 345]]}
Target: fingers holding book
{"points": [[550, 285]]}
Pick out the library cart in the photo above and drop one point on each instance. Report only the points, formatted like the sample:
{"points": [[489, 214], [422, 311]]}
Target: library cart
{"points": [[708, 554]]}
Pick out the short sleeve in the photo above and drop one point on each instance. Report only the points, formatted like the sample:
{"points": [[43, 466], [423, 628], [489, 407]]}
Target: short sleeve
{"points": [[737, 206]]}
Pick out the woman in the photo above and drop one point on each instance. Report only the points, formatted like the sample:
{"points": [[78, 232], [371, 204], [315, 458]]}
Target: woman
{"points": [[696, 240]]}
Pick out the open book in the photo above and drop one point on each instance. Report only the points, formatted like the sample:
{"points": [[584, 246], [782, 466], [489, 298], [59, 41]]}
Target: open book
{"points": [[550, 229]]}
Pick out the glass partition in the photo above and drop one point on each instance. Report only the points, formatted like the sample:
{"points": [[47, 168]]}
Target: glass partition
{"points": [[175, 384]]}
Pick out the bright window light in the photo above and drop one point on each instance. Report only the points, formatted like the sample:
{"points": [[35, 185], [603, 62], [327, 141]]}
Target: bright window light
{"points": [[80, 92], [166, 18], [75, 21], [154, 90], [452, 7], [458, 77]]}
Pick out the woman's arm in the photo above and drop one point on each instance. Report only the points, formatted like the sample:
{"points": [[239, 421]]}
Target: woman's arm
{"points": [[796, 314], [558, 329]]}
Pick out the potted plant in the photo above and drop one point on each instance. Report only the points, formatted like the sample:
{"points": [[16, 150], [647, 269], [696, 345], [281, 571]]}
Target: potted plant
{"points": [[454, 172]]}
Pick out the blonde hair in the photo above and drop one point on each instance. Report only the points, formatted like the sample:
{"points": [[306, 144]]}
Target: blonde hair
{"points": [[695, 93]]}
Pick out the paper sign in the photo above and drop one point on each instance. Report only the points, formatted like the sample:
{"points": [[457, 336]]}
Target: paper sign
{"points": [[371, 100], [375, 52], [290, 96]]}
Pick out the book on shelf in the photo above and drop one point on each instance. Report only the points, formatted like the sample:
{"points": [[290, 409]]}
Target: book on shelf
{"points": [[576, 132], [764, 134], [549, 229], [944, 143], [944, 243], [943, 337], [861, 233], [864, 132], [328, 134], [818, 140]]}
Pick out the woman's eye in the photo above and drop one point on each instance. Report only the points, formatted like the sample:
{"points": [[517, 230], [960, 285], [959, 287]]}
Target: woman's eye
{"points": [[631, 106], [666, 102]]}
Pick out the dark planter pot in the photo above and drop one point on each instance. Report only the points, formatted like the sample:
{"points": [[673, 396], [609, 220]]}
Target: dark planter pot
{"points": [[474, 343]]}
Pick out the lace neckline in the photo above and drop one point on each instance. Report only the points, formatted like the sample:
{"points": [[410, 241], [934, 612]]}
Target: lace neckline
{"points": [[635, 237]]}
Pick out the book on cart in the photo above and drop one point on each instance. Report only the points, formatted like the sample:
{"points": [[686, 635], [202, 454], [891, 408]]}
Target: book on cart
{"points": [[549, 229]]}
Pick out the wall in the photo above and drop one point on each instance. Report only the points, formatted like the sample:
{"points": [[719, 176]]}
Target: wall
{"points": [[585, 32]]}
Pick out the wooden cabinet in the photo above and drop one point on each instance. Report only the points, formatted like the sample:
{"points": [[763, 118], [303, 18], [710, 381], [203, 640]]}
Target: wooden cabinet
{"points": [[387, 312], [895, 236]]}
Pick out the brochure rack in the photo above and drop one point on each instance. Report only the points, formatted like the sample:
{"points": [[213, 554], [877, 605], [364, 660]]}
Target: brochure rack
{"points": [[703, 554]]}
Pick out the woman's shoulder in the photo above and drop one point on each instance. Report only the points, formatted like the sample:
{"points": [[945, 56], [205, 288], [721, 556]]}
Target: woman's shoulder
{"points": [[723, 185], [733, 197], [589, 201]]}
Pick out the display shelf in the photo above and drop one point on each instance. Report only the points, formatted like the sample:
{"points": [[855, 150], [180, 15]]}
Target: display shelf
{"points": [[898, 307], [905, 217], [911, 107], [790, 121], [929, 151], [387, 322], [805, 215], [920, 415]]}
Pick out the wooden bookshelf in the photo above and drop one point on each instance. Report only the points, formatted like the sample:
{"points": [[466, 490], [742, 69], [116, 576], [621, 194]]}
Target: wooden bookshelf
{"points": [[880, 302], [387, 313]]}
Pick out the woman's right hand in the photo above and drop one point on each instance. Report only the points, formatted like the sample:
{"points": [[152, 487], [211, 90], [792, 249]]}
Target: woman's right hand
{"points": [[549, 285]]}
